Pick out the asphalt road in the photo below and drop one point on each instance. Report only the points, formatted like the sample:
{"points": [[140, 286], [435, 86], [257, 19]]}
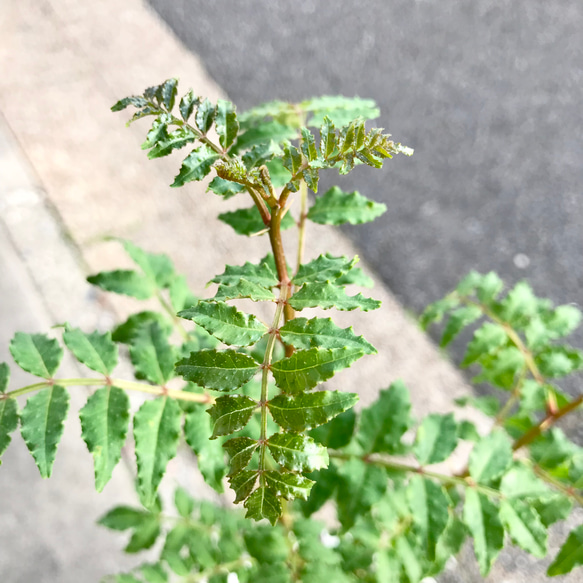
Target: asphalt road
{"points": [[487, 92]]}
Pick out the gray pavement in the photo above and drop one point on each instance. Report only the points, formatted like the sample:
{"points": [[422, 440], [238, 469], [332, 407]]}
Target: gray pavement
{"points": [[488, 93]]}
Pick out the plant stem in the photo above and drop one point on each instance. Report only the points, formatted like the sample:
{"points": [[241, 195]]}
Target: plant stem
{"points": [[407, 468], [564, 489], [265, 377], [302, 223], [549, 420], [119, 383], [168, 308]]}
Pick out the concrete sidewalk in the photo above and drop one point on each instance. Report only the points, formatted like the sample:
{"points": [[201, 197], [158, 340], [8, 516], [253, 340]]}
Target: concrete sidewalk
{"points": [[71, 173]]}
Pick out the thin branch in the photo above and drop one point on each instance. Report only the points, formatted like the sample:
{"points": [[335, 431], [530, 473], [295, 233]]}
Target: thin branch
{"points": [[157, 390]]}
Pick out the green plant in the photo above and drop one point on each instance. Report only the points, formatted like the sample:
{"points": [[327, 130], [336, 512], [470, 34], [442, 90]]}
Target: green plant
{"points": [[291, 448]]}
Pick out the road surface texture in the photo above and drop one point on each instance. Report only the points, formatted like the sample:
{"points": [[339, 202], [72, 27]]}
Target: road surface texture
{"points": [[487, 92]]}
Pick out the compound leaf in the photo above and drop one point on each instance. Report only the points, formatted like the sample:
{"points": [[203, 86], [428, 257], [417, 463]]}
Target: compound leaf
{"points": [[328, 295], [383, 424], [304, 411], [263, 503], [209, 453], [42, 423], [297, 453], [195, 166], [152, 356], [156, 432], [104, 425], [96, 351], [8, 422], [124, 281], [231, 413], [289, 485], [436, 439], [336, 207], [226, 323], [221, 370], [36, 353], [481, 517], [322, 333], [305, 369]]}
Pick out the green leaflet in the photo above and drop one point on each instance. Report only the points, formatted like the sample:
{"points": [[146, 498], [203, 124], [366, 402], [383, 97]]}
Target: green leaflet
{"points": [[338, 432], [360, 486], [322, 333], [156, 266], [145, 526], [225, 188], [481, 517], [42, 423], [297, 453], [436, 439], [328, 295], [263, 134], [226, 123], [324, 268], [355, 277], [384, 423], [307, 410], [36, 353], [524, 526], [4, 376], [491, 457], [124, 281], [128, 329], [339, 109], [224, 370], [263, 503], [154, 573], [156, 432], [210, 456], [289, 486], [324, 488], [96, 351], [429, 507], [180, 295], [205, 116], [231, 413], [336, 207], [240, 450], [262, 274], [244, 289], [487, 339], [187, 104], [104, 425], [248, 221], [226, 323], [175, 140], [8, 422], [184, 502], [458, 320], [266, 544], [166, 93], [521, 482], [152, 356], [195, 166], [570, 555], [242, 484], [305, 369]]}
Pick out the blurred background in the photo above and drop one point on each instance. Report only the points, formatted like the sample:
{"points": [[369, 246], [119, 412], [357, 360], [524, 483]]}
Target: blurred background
{"points": [[488, 93]]}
